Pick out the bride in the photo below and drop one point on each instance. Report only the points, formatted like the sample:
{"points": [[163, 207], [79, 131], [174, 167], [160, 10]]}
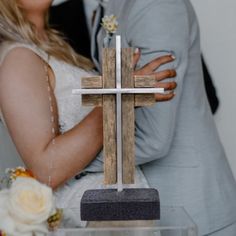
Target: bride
{"points": [[53, 134]]}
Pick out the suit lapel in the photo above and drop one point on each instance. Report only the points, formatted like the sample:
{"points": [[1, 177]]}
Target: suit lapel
{"points": [[121, 10], [95, 29]]}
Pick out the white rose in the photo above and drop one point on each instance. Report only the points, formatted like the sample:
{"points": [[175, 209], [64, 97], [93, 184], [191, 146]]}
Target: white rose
{"points": [[25, 208], [30, 202]]}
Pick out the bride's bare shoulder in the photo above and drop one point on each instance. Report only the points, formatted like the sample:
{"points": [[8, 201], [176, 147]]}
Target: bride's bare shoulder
{"points": [[19, 60], [21, 69], [11, 52]]}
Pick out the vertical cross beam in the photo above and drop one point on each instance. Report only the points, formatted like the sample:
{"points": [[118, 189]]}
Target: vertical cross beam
{"points": [[128, 117], [109, 117]]}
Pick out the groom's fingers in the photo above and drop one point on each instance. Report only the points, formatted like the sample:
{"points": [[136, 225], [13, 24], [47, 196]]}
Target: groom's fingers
{"points": [[155, 64], [165, 74], [136, 57], [166, 85], [161, 61], [164, 97]]}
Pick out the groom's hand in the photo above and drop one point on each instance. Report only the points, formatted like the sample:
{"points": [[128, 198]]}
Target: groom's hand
{"points": [[151, 69]]}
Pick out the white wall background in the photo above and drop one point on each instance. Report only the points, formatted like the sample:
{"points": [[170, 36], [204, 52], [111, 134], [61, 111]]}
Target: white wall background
{"points": [[217, 20]]}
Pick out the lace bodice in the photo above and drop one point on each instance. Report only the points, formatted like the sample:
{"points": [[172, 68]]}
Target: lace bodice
{"points": [[70, 109]]}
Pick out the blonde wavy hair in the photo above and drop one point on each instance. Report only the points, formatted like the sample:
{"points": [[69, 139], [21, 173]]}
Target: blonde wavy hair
{"points": [[14, 26]]}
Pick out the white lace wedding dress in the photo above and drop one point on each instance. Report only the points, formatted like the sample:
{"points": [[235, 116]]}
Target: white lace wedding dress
{"points": [[70, 113]]}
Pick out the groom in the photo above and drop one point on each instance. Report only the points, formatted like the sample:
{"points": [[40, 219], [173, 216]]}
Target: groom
{"points": [[176, 141]]}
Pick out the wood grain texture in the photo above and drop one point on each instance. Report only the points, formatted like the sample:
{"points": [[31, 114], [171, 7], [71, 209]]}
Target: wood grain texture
{"points": [[92, 100], [109, 117], [142, 81], [128, 117], [141, 100], [91, 82]]}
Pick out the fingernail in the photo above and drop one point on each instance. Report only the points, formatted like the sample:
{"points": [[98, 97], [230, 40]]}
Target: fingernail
{"points": [[173, 57], [136, 51]]}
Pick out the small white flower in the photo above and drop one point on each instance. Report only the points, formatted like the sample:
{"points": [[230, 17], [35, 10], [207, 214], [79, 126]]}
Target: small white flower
{"points": [[110, 25]]}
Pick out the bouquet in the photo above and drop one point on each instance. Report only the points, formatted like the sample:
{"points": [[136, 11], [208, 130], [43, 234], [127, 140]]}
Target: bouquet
{"points": [[27, 207]]}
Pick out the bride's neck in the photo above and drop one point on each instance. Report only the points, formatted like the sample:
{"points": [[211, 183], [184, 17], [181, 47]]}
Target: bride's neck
{"points": [[39, 22]]}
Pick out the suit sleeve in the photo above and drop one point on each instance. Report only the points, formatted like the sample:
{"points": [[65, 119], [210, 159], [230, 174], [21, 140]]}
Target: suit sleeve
{"points": [[160, 28]]}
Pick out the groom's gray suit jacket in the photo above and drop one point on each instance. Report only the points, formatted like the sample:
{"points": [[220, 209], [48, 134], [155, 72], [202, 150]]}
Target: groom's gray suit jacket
{"points": [[176, 140]]}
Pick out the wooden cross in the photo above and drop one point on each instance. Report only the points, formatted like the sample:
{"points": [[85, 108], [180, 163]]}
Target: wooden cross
{"points": [[118, 99]]}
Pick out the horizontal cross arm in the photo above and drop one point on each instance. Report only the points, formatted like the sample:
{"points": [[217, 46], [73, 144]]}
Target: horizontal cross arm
{"points": [[118, 91]]}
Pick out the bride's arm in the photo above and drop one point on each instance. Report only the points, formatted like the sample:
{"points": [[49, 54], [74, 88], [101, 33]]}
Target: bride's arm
{"points": [[24, 101]]}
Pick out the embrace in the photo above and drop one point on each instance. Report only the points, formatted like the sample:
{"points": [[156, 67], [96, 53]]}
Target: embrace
{"points": [[176, 143]]}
